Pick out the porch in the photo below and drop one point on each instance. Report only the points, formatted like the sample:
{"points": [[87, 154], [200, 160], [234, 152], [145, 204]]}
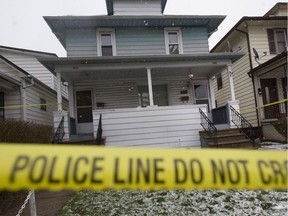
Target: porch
{"points": [[143, 100]]}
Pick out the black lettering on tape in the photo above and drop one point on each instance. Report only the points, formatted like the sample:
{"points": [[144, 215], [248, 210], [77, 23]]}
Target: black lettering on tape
{"points": [[67, 170], [141, 170], [40, 162], [232, 166], [130, 175], [77, 169], [196, 167], [278, 172], [158, 170], [51, 178], [96, 169], [262, 166], [218, 171], [244, 164], [117, 180], [178, 163], [20, 164]]}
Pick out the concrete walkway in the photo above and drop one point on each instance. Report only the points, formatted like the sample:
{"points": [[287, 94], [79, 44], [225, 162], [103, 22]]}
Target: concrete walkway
{"points": [[47, 203]]}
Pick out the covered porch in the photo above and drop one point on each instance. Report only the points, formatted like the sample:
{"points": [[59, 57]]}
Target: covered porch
{"points": [[143, 100]]}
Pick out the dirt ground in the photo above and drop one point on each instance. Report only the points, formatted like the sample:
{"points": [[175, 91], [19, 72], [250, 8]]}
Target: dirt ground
{"points": [[47, 203]]}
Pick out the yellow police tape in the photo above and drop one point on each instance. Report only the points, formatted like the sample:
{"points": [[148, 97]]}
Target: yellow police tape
{"points": [[80, 167], [274, 103]]}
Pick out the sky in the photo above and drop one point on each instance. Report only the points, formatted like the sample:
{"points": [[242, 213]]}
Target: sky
{"points": [[22, 24]]}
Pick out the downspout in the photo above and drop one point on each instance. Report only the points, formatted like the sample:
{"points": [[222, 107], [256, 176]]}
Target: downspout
{"points": [[251, 67], [23, 96]]}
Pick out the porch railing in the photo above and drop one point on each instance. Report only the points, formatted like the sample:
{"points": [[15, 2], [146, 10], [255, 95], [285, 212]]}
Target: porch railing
{"points": [[59, 134], [99, 139], [208, 126], [244, 126]]}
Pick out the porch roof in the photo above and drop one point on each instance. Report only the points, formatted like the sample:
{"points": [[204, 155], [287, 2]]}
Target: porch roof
{"points": [[153, 61], [60, 24]]}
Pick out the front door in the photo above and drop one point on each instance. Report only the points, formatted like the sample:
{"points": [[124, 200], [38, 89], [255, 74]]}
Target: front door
{"points": [[84, 112], [201, 95], [270, 95]]}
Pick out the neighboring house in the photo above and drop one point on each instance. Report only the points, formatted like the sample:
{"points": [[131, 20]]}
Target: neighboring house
{"points": [[260, 77], [27, 60], [146, 73], [22, 95]]}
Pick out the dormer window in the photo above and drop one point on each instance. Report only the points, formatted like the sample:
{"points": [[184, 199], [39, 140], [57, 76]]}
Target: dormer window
{"points": [[173, 40], [277, 39], [106, 42]]}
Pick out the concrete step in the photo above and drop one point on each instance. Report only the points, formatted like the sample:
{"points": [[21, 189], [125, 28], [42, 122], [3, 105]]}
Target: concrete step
{"points": [[228, 138]]}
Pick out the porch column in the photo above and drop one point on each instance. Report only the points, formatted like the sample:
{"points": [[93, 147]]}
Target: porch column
{"points": [[71, 99], [231, 82], [212, 94], [59, 92], [150, 89]]}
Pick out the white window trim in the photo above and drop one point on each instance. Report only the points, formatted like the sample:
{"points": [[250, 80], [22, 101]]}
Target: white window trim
{"points": [[175, 29], [113, 38]]}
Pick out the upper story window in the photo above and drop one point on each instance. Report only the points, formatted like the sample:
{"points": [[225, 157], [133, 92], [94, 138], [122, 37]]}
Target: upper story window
{"points": [[106, 42], [277, 39], [173, 39]]}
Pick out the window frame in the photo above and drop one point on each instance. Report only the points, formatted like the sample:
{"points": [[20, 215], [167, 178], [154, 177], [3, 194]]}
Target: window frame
{"points": [[99, 32], [180, 42], [273, 42], [219, 81]]}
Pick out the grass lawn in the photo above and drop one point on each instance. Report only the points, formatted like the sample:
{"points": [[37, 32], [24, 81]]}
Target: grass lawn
{"points": [[177, 202]]}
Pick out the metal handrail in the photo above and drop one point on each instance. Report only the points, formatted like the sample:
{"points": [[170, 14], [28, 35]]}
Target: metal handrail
{"points": [[208, 126], [242, 124], [59, 134], [99, 139]]}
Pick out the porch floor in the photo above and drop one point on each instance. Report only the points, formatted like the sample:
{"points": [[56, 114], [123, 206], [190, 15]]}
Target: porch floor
{"points": [[79, 138]]}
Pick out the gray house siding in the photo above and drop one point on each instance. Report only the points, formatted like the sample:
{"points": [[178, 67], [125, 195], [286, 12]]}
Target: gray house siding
{"points": [[81, 43], [141, 41], [144, 7], [136, 41], [195, 40]]}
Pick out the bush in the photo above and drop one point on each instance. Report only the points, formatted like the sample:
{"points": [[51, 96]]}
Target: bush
{"points": [[16, 131]]}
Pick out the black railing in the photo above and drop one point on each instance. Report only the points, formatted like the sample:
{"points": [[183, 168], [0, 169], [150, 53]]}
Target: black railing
{"points": [[99, 139], [208, 126], [59, 134], [244, 126]]}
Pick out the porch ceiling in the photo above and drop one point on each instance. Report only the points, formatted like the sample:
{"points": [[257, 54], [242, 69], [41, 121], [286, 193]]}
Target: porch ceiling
{"points": [[201, 65]]}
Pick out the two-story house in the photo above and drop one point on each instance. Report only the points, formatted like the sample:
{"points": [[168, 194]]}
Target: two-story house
{"points": [[260, 77], [146, 73]]}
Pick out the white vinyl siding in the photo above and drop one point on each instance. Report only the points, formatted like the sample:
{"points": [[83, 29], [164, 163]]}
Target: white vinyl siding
{"points": [[132, 7], [30, 64], [166, 127]]}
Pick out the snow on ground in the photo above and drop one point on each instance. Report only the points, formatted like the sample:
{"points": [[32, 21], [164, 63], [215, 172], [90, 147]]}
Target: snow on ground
{"points": [[177, 202]]}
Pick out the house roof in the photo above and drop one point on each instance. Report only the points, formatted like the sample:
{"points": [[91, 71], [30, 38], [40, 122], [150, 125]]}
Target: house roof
{"points": [[278, 6], [110, 5], [11, 64], [246, 20], [269, 62], [26, 51], [59, 24]]}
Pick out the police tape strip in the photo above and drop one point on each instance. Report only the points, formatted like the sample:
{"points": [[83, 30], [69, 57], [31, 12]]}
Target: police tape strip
{"points": [[24, 105], [271, 104], [88, 167]]}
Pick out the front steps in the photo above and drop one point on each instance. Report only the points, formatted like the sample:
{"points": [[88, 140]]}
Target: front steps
{"points": [[226, 138]]}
